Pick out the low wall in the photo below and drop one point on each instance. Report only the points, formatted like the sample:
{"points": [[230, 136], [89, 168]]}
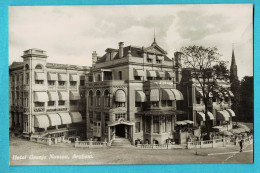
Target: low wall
{"points": [[207, 144], [90, 144], [41, 140], [155, 146]]}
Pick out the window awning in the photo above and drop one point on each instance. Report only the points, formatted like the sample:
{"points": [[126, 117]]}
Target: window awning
{"points": [[167, 94], [140, 96], [160, 74], [41, 97], [170, 74], [222, 116], [53, 96], [120, 96], [74, 77], [39, 76], [178, 95], [138, 72], [74, 95], [201, 116], [63, 95], [154, 95], [41, 121], [211, 116], [52, 76], [231, 112], [54, 119], [65, 118], [63, 77], [75, 117], [151, 73], [159, 57]]}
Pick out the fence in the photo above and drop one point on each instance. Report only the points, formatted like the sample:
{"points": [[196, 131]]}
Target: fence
{"points": [[90, 144], [235, 141], [155, 146], [207, 144]]}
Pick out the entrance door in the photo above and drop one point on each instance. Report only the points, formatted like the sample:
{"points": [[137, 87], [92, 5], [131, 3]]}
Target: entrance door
{"points": [[120, 130]]}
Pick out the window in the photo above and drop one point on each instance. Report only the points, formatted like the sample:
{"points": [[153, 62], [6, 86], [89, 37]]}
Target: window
{"points": [[119, 116], [91, 98], [98, 98], [107, 117], [169, 102], [26, 99], [73, 83], [82, 82], [13, 98], [91, 119], [163, 103], [61, 102], [61, 83], [38, 81], [120, 75], [149, 78], [138, 104], [99, 78], [154, 104], [39, 104], [149, 60], [82, 94], [27, 78], [120, 104], [26, 67], [106, 98], [158, 61], [147, 124], [156, 124], [106, 120], [98, 116], [38, 67], [90, 78], [137, 127], [73, 102], [51, 103], [51, 82], [138, 78], [17, 78]]}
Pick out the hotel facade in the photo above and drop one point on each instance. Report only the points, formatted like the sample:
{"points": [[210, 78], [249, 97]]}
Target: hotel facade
{"points": [[137, 93]]}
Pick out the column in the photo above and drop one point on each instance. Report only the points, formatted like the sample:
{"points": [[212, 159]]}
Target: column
{"points": [[151, 125], [108, 133]]}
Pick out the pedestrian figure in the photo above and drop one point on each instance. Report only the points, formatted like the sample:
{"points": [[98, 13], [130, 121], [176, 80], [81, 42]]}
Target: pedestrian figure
{"points": [[241, 143]]}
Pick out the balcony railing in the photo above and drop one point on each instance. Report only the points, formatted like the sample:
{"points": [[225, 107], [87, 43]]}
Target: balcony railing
{"points": [[39, 109]]}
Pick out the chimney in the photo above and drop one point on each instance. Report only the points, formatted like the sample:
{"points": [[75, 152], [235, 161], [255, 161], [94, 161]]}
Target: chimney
{"points": [[94, 57], [121, 52]]}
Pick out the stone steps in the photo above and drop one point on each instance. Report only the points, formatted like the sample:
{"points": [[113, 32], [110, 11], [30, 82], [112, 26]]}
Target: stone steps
{"points": [[120, 142]]}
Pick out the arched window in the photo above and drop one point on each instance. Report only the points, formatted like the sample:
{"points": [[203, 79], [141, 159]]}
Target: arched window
{"points": [[106, 98], [120, 98], [120, 75], [98, 94], [90, 95], [38, 66]]}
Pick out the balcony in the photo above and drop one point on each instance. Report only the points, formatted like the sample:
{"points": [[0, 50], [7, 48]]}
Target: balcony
{"points": [[39, 109], [159, 83], [105, 83]]}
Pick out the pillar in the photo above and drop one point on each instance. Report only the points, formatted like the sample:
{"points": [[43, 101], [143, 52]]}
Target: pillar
{"points": [[151, 125], [109, 134]]}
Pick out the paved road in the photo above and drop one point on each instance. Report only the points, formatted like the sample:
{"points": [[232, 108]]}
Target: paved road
{"points": [[39, 154]]}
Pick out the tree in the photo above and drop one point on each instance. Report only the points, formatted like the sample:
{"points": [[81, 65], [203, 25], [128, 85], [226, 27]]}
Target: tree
{"points": [[221, 69], [204, 62], [246, 104]]}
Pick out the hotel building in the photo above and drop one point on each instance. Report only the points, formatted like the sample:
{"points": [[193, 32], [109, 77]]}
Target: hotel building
{"points": [[132, 93], [47, 99]]}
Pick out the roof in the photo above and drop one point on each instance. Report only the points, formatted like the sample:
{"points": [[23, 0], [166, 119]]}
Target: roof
{"points": [[137, 52]]}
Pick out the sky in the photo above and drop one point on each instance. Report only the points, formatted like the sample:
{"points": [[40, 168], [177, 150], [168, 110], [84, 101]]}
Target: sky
{"points": [[70, 34]]}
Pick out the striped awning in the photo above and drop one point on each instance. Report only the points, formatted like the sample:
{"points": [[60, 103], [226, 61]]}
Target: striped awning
{"points": [[222, 116], [62, 77], [231, 112], [167, 94], [63, 95], [54, 119], [140, 96], [120, 96], [74, 77], [65, 118], [211, 116], [154, 95], [138, 72], [53, 96], [39, 76], [41, 121], [52, 76], [160, 73], [170, 74], [151, 73], [41, 97], [75, 117], [178, 95], [201, 116], [74, 95]]}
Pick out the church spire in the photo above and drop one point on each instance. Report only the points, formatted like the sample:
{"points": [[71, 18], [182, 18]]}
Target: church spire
{"points": [[154, 40], [233, 67]]}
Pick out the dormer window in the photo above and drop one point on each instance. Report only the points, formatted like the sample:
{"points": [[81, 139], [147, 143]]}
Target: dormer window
{"points": [[158, 61], [149, 60]]}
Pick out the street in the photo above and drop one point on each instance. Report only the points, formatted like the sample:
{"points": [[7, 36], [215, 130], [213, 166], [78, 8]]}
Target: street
{"points": [[24, 152]]}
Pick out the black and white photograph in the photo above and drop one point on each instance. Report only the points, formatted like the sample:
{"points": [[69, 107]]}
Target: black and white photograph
{"points": [[131, 84]]}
